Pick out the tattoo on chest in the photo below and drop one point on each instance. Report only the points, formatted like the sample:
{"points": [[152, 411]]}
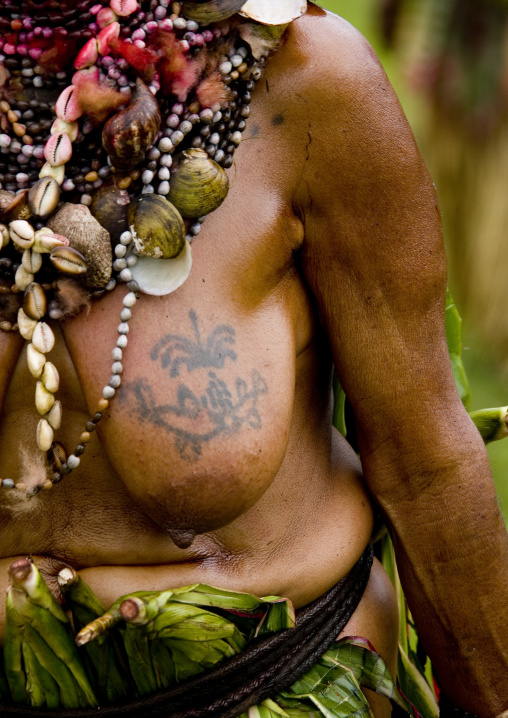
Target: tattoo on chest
{"points": [[195, 418]]}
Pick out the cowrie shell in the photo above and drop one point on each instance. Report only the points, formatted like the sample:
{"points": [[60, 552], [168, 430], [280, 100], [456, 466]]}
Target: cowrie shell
{"points": [[68, 260], [43, 338], [32, 261], [67, 107], [54, 415], [44, 399], [88, 55], [57, 173], [58, 149], [46, 240], [35, 360], [70, 128], [22, 278], [43, 197], [50, 377], [22, 233], [45, 435], [26, 325], [34, 301]]}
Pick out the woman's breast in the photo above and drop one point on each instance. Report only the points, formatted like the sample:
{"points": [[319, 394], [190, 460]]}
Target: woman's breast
{"points": [[199, 427]]}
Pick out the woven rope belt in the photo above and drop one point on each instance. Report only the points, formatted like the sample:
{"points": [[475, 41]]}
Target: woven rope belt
{"points": [[266, 667]]}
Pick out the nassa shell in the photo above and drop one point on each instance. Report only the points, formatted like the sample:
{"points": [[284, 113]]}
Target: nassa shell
{"points": [[159, 277], [157, 227], [198, 184], [128, 134], [274, 12], [85, 234], [207, 11]]}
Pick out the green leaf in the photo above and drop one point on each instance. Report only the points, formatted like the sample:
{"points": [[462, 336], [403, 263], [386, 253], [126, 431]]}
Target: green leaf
{"points": [[415, 687], [337, 695], [280, 616], [4, 687], [453, 324], [140, 660], [491, 423], [339, 406], [204, 595]]}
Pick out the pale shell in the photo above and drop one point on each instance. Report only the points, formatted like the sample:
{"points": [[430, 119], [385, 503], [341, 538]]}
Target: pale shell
{"points": [[58, 173], [50, 377], [4, 235], [35, 361], [22, 278], [274, 12], [43, 338], [44, 399], [26, 325], [44, 196], [46, 240], [22, 233], [70, 128], [45, 435], [159, 277], [198, 184], [54, 416], [85, 234], [32, 261]]}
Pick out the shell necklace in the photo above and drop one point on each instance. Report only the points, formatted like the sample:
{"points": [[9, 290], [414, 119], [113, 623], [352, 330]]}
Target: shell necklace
{"points": [[92, 190]]}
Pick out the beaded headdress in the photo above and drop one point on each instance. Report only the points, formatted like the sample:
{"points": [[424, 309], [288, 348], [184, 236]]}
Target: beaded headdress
{"points": [[118, 121]]}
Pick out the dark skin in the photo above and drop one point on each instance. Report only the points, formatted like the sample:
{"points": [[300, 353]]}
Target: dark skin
{"points": [[327, 249]]}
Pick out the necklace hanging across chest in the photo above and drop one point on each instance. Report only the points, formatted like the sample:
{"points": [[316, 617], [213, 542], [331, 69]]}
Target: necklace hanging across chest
{"points": [[117, 123]]}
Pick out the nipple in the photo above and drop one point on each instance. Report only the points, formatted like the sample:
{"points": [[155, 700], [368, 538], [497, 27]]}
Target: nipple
{"points": [[182, 538]]}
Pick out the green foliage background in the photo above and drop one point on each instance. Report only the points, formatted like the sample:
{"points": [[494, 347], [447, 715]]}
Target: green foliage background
{"points": [[487, 387]]}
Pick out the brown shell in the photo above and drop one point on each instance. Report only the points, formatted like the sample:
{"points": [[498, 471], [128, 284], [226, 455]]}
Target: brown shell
{"points": [[18, 208], [5, 200], [109, 207], [207, 11], [128, 134], [86, 235]]}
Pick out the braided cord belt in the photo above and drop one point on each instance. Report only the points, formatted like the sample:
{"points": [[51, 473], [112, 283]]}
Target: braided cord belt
{"points": [[266, 667]]}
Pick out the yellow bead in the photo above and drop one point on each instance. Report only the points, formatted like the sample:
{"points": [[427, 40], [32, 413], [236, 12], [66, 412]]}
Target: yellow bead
{"points": [[124, 182]]}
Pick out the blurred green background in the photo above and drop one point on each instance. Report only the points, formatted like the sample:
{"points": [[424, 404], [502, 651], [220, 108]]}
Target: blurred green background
{"points": [[483, 330]]}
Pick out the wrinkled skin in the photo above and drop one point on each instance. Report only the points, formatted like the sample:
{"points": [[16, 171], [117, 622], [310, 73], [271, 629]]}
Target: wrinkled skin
{"points": [[327, 249]]}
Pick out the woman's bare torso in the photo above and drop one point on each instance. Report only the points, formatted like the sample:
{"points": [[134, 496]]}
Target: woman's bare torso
{"points": [[224, 410]]}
